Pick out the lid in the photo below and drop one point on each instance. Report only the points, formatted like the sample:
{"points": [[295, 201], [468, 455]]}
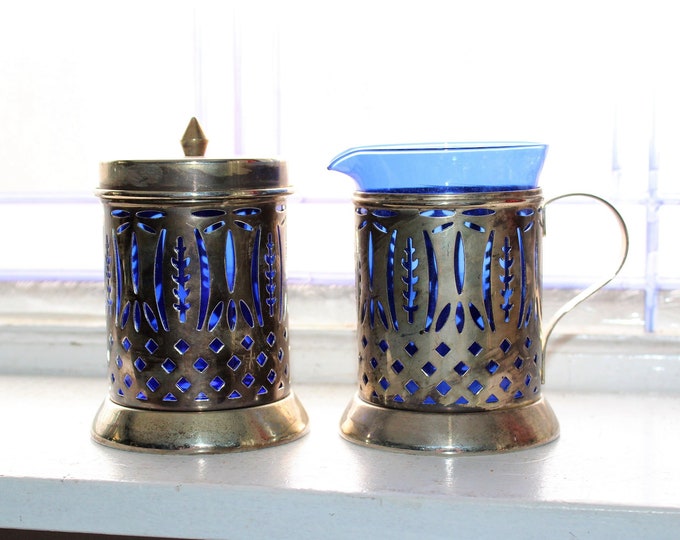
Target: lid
{"points": [[194, 176]]}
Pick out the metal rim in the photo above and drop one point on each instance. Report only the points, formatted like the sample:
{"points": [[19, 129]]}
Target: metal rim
{"points": [[395, 200], [190, 196]]}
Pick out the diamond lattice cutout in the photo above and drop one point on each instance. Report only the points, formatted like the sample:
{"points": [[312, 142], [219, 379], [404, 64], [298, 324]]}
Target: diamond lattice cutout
{"points": [[428, 369], [216, 345], [217, 384], [168, 366], [140, 364], [234, 362], [461, 368], [200, 364], [475, 387], [492, 367], [412, 387], [181, 346], [183, 384], [475, 348], [151, 346], [443, 349], [443, 388], [411, 348]]}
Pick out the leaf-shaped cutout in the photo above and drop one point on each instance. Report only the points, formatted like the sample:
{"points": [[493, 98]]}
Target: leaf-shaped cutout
{"points": [[459, 262], [230, 261], [213, 227], [209, 212], [120, 213], [460, 317], [125, 315], [150, 317], [231, 315], [136, 315], [158, 279], [474, 226], [442, 227], [247, 211], [381, 212], [123, 227], [247, 314], [243, 225], [479, 212], [151, 214], [382, 315], [369, 256], [215, 316], [443, 317], [476, 316], [204, 265], [389, 277], [144, 227], [134, 263], [437, 212], [433, 280]]}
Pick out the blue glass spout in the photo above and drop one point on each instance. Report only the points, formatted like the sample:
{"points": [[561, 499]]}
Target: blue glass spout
{"points": [[443, 167]]}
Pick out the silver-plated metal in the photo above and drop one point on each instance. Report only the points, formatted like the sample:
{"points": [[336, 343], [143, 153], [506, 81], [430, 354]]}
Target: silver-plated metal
{"points": [[593, 288], [206, 432], [446, 434], [193, 141], [449, 323], [196, 306]]}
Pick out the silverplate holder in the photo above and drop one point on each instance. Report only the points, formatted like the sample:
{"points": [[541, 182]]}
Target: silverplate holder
{"points": [[450, 336], [197, 320]]}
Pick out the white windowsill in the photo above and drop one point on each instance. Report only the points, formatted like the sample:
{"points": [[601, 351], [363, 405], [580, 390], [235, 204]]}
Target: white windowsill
{"points": [[612, 474]]}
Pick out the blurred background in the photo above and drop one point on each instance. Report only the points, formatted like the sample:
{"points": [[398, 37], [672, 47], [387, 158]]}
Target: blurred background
{"points": [[85, 82]]}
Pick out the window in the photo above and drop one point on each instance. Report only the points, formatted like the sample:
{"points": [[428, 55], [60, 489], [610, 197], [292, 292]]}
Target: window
{"points": [[83, 83]]}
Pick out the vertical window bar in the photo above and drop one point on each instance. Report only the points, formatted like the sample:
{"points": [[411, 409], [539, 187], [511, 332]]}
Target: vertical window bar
{"points": [[238, 84], [652, 241], [198, 67]]}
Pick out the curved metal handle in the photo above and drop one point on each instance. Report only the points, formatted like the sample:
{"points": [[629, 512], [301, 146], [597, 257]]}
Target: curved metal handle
{"points": [[592, 289]]}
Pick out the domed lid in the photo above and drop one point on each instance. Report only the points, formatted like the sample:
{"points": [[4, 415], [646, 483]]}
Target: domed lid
{"points": [[194, 176]]}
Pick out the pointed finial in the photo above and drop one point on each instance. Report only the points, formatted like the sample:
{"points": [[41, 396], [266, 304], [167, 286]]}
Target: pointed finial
{"points": [[193, 141]]}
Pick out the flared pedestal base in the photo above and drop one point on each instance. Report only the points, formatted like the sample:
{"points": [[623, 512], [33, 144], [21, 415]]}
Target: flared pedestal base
{"points": [[203, 432], [500, 430]]}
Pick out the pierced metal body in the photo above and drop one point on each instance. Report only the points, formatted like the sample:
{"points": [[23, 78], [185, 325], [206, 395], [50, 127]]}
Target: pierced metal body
{"points": [[196, 307], [449, 323], [450, 332]]}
